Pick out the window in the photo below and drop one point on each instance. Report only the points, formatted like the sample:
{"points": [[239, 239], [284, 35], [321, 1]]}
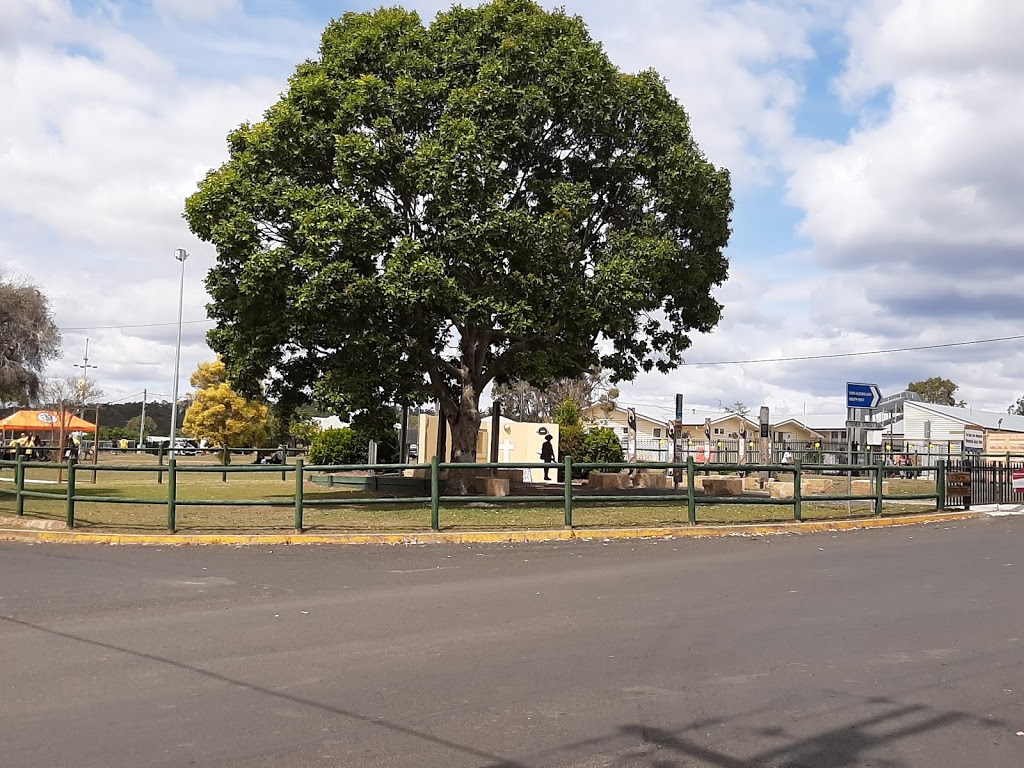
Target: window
{"points": [[625, 431], [657, 432], [719, 430]]}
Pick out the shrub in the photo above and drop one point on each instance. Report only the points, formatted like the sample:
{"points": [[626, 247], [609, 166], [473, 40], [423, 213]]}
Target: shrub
{"points": [[602, 444], [338, 446], [567, 414]]}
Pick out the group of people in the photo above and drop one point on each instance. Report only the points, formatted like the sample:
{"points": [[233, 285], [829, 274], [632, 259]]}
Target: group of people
{"points": [[277, 457], [33, 449], [26, 445]]}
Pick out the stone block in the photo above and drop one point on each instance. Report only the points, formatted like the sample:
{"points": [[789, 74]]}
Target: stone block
{"points": [[514, 476], [752, 483], [604, 481], [780, 490], [491, 486], [866, 487], [816, 487], [649, 480], [422, 474], [729, 485]]}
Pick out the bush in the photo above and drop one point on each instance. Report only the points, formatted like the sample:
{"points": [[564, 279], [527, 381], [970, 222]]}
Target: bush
{"points": [[351, 446], [602, 444], [567, 414], [597, 445], [338, 446]]}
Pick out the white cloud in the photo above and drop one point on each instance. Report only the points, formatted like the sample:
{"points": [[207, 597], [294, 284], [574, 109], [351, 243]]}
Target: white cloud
{"points": [[916, 214], [196, 10], [106, 128]]}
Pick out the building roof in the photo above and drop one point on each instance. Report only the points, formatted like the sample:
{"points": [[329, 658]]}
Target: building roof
{"points": [[717, 417], [820, 421], [590, 413], [985, 419], [799, 423]]}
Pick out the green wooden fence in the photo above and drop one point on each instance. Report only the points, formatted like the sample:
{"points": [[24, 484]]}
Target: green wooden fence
{"points": [[568, 499]]}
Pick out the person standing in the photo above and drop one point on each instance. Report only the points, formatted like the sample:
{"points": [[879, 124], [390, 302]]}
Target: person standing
{"points": [[547, 454]]}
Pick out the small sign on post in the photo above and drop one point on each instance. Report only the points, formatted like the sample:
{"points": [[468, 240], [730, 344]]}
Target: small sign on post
{"points": [[958, 486], [1018, 480], [974, 439]]}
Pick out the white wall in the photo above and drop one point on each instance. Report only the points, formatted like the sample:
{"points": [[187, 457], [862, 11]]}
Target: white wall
{"points": [[943, 427]]}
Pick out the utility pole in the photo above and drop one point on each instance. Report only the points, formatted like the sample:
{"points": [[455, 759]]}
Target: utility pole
{"points": [[142, 424], [85, 366]]}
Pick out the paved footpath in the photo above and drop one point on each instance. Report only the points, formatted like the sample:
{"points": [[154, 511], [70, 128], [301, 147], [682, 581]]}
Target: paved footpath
{"points": [[893, 648]]}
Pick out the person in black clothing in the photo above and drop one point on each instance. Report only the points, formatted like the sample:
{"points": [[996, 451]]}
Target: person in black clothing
{"points": [[547, 454]]}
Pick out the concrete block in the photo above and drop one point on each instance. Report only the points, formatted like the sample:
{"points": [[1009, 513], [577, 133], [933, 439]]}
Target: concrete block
{"points": [[608, 481], [649, 480], [514, 476], [491, 486], [751, 483], [816, 487], [780, 490], [422, 474], [866, 487], [728, 485]]}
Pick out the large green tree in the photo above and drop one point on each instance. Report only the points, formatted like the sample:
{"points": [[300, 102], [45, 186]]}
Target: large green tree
{"points": [[428, 209], [28, 340], [936, 390]]}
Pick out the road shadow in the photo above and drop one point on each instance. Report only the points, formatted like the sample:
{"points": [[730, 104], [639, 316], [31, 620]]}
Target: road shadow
{"points": [[849, 743]]}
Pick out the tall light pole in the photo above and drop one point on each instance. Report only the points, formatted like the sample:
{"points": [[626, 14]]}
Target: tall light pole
{"points": [[180, 254]]}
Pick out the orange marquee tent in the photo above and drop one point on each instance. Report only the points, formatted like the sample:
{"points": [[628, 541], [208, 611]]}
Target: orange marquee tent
{"points": [[44, 421]]}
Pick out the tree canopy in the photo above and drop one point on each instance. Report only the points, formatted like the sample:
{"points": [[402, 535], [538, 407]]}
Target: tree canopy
{"points": [[936, 390], [221, 415], [1017, 409], [28, 340], [428, 209]]}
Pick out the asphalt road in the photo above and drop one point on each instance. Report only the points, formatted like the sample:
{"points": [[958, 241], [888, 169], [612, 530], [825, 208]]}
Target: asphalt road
{"points": [[889, 648]]}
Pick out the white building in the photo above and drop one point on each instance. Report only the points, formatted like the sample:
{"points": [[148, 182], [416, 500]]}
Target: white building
{"points": [[944, 424]]}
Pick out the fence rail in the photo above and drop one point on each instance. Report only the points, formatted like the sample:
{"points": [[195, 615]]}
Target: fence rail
{"points": [[568, 498]]}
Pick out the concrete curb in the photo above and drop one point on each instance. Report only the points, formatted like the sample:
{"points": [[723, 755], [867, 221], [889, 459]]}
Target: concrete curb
{"points": [[473, 537]]}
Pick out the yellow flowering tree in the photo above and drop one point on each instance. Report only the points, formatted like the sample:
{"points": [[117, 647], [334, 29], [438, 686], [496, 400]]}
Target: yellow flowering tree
{"points": [[221, 415]]}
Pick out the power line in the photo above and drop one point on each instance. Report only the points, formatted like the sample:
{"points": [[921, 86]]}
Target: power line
{"points": [[832, 356], [142, 325], [858, 354]]}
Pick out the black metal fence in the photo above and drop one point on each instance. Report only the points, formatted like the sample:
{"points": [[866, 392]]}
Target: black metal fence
{"points": [[991, 480]]}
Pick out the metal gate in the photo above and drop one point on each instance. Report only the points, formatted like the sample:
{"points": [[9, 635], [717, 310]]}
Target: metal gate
{"points": [[991, 481]]}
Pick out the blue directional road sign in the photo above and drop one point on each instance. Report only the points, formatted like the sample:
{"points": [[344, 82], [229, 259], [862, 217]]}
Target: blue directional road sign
{"points": [[862, 395]]}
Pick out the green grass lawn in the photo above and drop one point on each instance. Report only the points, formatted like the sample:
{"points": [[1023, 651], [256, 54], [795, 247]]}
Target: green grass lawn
{"points": [[589, 512]]}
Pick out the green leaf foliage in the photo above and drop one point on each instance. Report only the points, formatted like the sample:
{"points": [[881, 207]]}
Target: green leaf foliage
{"points": [[428, 209], [338, 446], [351, 446], [567, 414], [602, 444], [936, 390]]}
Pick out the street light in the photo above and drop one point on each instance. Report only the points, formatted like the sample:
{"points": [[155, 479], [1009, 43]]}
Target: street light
{"points": [[180, 254]]}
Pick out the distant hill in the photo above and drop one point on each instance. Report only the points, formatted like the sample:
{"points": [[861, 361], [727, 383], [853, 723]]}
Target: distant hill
{"points": [[117, 415]]}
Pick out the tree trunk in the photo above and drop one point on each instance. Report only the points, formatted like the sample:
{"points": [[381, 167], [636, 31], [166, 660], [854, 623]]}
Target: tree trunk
{"points": [[464, 428]]}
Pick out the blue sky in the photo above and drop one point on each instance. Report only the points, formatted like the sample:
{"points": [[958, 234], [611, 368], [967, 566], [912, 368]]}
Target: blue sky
{"points": [[873, 148]]}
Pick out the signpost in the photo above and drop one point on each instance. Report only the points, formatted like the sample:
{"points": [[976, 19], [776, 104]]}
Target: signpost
{"points": [[862, 395], [677, 441], [766, 455]]}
